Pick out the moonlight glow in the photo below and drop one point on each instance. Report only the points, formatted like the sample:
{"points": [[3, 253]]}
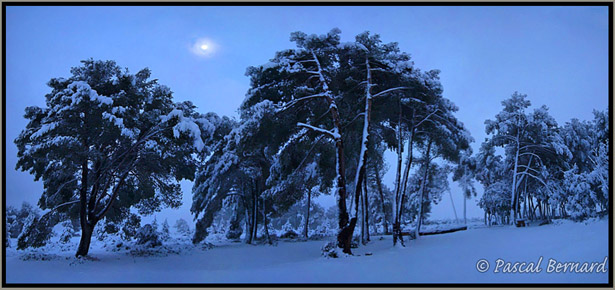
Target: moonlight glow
{"points": [[203, 47]]}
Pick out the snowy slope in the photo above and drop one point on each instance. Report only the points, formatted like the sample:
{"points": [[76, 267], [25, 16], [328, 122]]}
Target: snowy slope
{"points": [[446, 258]]}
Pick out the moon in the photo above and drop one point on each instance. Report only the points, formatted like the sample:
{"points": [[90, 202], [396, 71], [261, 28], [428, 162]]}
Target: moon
{"points": [[204, 47]]}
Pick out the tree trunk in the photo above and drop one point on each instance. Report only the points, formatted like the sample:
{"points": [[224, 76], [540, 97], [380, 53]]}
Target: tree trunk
{"points": [[254, 215], [525, 213], [346, 226], [86, 230], [84, 242], [404, 184], [361, 166], [265, 222], [422, 190], [514, 184], [307, 215], [366, 210], [384, 213], [248, 230], [396, 200], [362, 220], [465, 220], [532, 208], [453, 204]]}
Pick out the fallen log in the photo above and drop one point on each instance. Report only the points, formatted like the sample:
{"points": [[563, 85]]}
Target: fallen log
{"points": [[437, 232]]}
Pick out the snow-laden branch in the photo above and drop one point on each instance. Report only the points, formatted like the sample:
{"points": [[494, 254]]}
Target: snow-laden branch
{"points": [[538, 146], [527, 168], [531, 154], [64, 184], [354, 119], [310, 151], [292, 139], [59, 206], [534, 176], [329, 133], [392, 90], [426, 118], [322, 78], [512, 138], [302, 99]]}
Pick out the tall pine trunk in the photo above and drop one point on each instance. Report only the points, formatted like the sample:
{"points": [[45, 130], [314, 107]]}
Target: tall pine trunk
{"points": [[514, 185], [346, 226], [307, 215], [380, 191], [84, 242], [265, 224], [465, 220], [404, 184], [361, 166], [254, 230], [366, 203], [423, 186], [397, 201], [86, 228]]}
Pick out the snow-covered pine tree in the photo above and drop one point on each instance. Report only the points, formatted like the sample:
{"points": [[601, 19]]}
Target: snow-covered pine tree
{"points": [[585, 181], [464, 175], [165, 233], [182, 227], [530, 142], [108, 140], [493, 175], [15, 218]]}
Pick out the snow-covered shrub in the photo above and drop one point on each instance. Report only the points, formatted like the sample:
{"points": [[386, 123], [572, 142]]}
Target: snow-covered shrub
{"points": [[130, 227], [148, 237], [235, 229], [7, 242], [330, 250], [111, 227], [99, 233], [15, 218], [165, 233], [37, 256], [182, 228], [68, 232], [36, 232], [290, 234], [155, 224], [355, 242]]}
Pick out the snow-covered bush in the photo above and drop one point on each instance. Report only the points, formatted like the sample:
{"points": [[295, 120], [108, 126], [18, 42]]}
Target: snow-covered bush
{"points": [[68, 232], [182, 227], [235, 229], [148, 237], [36, 232], [290, 234], [15, 218], [130, 227], [37, 256], [165, 233], [330, 250], [7, 242]]}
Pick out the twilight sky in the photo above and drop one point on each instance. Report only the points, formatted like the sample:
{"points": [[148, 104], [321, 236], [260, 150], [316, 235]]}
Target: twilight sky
{"points": [[558, 56]]}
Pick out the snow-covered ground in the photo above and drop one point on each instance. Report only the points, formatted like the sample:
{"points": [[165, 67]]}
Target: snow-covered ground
{"points": [[445, 258]]}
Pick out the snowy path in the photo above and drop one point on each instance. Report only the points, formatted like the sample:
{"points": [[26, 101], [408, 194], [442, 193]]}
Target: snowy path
{"points": [[447, 258]]}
